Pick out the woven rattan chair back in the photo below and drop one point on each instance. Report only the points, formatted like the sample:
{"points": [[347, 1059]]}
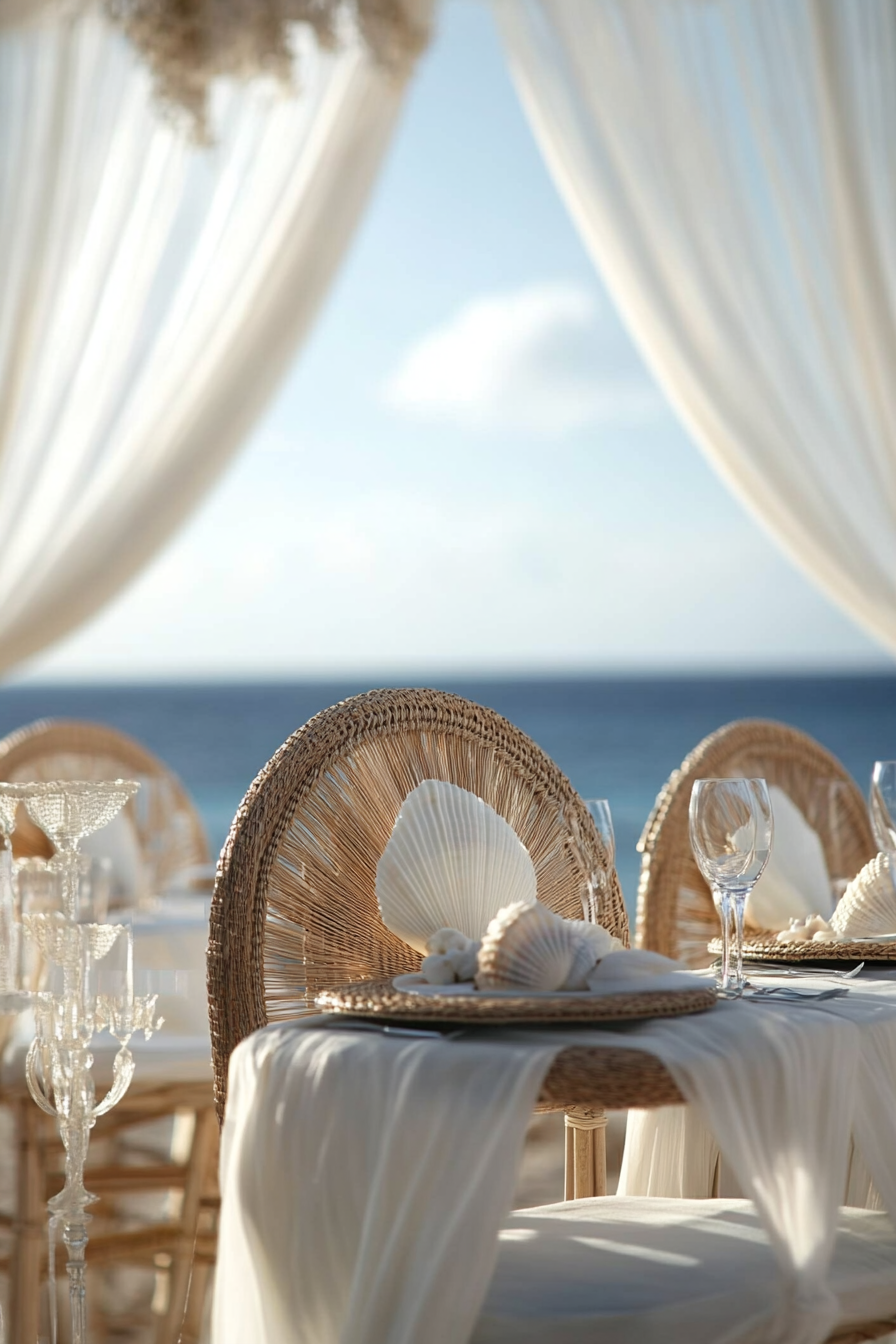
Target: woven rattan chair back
{"points": [[675, 910], [295, 911], [166, 822]]}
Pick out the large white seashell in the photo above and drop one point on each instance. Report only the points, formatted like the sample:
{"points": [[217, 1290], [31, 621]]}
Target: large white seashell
{"points": [[868, 905], [529, 947], [451, 862]]}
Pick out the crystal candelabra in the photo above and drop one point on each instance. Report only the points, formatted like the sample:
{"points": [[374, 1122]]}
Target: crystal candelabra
{"points": [[59, 1061], [13, 999], [10, 926]]}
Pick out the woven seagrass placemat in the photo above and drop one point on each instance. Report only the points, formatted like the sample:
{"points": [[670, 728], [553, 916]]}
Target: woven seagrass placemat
{"points": [[380, 999], [769, 949]]}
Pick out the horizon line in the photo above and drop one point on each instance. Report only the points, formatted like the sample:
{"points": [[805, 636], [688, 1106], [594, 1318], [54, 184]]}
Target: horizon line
{"points": [[422, 677]]}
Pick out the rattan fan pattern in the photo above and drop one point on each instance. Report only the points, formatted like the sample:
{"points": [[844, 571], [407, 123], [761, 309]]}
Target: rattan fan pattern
{"points": [[675, 910], [295, 912], [71, 749]]}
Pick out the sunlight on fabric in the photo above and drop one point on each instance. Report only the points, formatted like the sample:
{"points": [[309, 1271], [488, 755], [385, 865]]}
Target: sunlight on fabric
{"points": [[152, 293], [652, 1253], [727, 166]]}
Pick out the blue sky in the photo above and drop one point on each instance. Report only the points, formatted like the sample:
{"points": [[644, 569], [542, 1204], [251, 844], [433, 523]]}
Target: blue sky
{"points": [[468, 467]]}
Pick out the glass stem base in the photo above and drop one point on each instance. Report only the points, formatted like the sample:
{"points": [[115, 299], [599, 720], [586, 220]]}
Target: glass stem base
{"points": [[732, 904]]}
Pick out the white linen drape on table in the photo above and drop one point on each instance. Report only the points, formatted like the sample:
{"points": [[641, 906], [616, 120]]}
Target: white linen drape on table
{"points": [[729, 167], [671, 1153], [333, 1136], [332, 1232], [151, 293]]}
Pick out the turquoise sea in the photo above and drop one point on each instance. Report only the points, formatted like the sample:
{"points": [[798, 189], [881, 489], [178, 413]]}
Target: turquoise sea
{"points": [[614, 737]]}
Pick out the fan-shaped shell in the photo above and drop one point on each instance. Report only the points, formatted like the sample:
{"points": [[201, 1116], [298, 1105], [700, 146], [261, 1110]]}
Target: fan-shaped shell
{"points": [[868, 905], [451, 862], [528, 947]]}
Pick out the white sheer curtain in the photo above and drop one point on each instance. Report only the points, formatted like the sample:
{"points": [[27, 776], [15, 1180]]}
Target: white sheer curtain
{"points": [[731, 166], [151, 294]]}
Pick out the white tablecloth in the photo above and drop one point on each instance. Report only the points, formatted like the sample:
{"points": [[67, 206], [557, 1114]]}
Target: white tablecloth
{"points": [[365, 1177], [671, 1152]]}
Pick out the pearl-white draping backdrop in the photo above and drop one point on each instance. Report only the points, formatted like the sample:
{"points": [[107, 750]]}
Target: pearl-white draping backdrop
{"points": [[151, 293], [730, 168]]}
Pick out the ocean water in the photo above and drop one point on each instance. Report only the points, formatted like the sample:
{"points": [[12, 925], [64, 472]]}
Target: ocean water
{"points": [[614, 738]]}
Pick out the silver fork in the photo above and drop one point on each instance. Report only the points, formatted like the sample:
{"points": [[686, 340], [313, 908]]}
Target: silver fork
{"points": [[770, 968], [790, 995], [790, 971], [387, 1029]]}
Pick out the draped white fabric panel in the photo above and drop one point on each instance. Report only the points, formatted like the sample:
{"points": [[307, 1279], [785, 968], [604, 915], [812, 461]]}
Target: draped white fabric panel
{"points": [[151, 294], [730, 167], [333, 1135]]}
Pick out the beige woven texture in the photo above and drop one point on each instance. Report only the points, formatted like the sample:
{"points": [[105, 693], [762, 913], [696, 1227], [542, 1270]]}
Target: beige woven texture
{"points": [[71, 749], [295, 911], [767, 948], [380, 998], [676, 915]]}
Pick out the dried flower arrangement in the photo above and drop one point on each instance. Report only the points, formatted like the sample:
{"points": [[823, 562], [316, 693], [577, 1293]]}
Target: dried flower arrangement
{"points": [[189, 43]]}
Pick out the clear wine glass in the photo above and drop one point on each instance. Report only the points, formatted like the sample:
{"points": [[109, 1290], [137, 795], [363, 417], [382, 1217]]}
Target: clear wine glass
{"points": [[600, 878], [731, 830], [831, 814], [883, 805]]}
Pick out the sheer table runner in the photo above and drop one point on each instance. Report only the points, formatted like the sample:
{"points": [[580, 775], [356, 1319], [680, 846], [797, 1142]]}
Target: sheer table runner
{"points": [[670, 1152], [365, 1178]]}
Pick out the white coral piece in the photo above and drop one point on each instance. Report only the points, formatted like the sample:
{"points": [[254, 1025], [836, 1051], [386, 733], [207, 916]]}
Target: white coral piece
{"points": [[452, 958], [815, 929]]}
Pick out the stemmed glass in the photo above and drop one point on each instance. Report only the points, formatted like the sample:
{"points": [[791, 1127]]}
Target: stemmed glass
{"points": [[883, 805], [599, 879], [731, 831], [831, 815]]}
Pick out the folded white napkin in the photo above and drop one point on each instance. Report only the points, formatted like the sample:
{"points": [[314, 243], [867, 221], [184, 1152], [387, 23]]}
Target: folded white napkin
{"points": [[795, 883]]}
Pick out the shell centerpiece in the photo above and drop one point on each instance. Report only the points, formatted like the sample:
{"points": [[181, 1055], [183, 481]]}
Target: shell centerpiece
{"points": [[868, 905], [451, 862], [528, 947]]}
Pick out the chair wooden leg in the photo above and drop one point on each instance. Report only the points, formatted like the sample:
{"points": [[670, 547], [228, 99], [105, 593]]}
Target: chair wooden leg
{"points": [[31, 1215], [586, 1152], [193, 1319], [202, 1157]]}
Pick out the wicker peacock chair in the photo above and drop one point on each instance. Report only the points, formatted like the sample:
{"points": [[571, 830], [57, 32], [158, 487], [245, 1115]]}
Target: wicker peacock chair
{"points": [[171, 836], [294, 910], [675, 910], [73, 749]]}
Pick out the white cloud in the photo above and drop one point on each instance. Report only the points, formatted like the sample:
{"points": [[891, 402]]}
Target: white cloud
{"points": [[543, 360]]}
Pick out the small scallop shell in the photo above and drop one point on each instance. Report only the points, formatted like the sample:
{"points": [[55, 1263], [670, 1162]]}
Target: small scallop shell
{"points": [[528, 947], [868, 905], [451, 862]]}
